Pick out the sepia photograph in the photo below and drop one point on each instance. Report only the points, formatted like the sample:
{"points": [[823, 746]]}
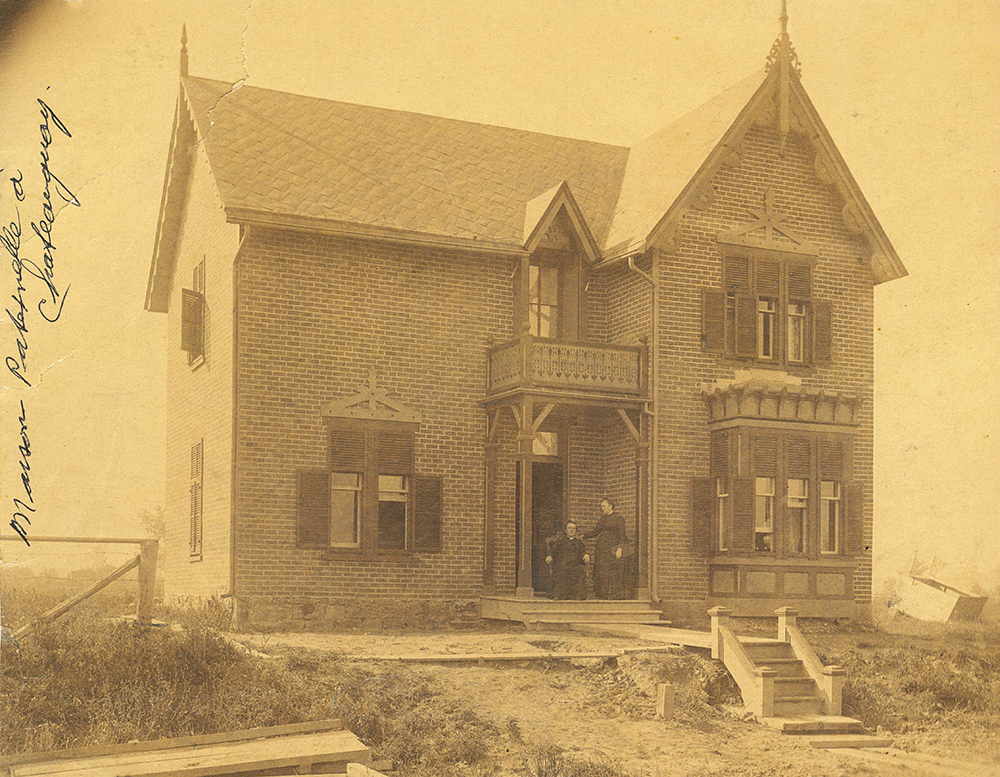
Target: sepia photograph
{"points": [[519, 389]]}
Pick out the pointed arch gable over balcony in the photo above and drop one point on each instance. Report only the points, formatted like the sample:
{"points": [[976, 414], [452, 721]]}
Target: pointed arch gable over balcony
{"points": [[541, 211]]}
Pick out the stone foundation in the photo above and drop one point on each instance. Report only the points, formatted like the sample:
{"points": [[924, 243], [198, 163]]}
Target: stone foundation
{"points": [[319, 615]]}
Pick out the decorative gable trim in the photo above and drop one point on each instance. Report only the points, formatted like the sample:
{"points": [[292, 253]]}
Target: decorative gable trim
{"points": [[372, 402], [770, 223], [541, 211], [182, 137], [763, 108]]}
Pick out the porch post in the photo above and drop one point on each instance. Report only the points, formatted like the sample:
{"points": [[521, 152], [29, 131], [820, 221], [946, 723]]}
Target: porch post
{"points": [[526, 437], [642, 509], [490, 540]]}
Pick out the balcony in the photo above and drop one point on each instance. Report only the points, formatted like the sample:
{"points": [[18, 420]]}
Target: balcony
{"points": [[532, 363]]}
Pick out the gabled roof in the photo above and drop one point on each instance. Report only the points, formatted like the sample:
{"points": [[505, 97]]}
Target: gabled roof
{"points": [[304, 162], [284, 154], [661, 166]]}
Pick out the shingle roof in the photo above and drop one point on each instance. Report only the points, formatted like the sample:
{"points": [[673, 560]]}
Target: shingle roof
{"points": [[300, 156], [660, 166]]}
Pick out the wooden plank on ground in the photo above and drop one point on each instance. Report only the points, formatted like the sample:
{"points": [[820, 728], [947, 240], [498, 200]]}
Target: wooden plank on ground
{"points": [[215, 759], [262, 732]]}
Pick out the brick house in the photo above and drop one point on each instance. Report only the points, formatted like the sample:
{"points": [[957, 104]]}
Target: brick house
{"points": [[404, 349]]}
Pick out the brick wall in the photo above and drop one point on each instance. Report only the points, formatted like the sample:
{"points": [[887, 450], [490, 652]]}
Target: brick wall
{"points": [[841, 277], [315, 314], [199, 399]]}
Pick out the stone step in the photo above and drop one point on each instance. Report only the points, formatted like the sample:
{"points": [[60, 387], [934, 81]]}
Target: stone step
{"points": [[846, 740]]}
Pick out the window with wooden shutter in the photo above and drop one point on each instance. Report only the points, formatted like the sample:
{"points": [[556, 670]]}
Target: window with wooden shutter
{"points": [[743, 514], [193, 315], [764, 450], [703, 515], [713, 320], [853, 520], [314, 507], [766, 312], [428, 509], [197, 499]]}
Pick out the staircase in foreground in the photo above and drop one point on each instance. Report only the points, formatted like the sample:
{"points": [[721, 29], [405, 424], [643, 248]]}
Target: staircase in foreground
{"points": [[786, 686]]}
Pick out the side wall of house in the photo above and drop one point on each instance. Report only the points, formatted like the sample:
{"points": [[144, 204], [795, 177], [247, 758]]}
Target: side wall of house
{"points": [[199, 395], [840, 276], [316, 313]]}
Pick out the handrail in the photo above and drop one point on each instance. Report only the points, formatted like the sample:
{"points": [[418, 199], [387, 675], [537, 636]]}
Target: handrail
{"points": [[829, 679], [739, 663]]}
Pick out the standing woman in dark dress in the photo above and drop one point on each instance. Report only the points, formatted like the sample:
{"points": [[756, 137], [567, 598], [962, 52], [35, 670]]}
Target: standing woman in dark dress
{"points": [[609, 554]]}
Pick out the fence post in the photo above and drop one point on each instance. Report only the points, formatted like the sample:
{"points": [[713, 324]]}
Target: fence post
{"points": [[148, 551]]}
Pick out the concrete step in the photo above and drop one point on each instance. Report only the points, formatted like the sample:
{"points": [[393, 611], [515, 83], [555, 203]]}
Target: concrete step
{"points": [[815, 724], [846, 740]]}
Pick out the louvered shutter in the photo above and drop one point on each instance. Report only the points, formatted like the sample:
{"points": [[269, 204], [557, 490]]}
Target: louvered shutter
{"points": [[743, 514], [799, 282], [197, 497], [720, 454], [853, 519], [737, 274], [713, 320], [765, 456], [395, 453], [703, 515], [831, 460], [192, 321], [768, 280], [822, 331], [347, 450], [314, 507], [746, 325], [798, 450], [428, 510]]}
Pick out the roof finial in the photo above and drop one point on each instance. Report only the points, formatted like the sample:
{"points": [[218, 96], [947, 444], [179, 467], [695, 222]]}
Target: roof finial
{"points": [[784, 17], [184, 50]]}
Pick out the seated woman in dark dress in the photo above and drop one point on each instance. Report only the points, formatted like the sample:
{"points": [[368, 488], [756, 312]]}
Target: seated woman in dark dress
{"points": [[567, 557], [610, 580]]}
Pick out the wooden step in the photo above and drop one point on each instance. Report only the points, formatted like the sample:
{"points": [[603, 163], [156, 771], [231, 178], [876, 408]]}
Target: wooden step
{"points": [[815, 724], [591, 617], [846, 740], [760, 652], [790, 668], [786, 687], [797, 705]]}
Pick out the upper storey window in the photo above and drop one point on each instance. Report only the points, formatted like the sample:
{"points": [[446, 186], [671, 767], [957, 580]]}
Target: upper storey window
{"points": [[544, 294], [765, 312]]}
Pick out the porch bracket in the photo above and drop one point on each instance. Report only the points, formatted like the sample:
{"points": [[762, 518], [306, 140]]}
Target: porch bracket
{"points": [[629, 425], [543, 415]]}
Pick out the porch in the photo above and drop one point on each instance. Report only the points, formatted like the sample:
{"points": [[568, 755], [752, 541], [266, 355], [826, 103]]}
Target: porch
{"points": [[540, 612]]}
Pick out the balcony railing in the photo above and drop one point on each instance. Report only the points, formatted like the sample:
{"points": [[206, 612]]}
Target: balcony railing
{"points": [[532, 362]]}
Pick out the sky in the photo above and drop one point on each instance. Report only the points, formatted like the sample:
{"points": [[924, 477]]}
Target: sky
{"points": [[907, 90]]}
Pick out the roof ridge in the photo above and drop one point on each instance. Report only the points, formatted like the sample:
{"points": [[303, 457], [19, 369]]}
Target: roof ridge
{"points": [[436, 117]]}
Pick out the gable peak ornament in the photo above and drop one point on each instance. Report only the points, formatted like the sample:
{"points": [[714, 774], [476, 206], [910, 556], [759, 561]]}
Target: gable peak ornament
{"points": [[772, 223], [783, 57], [371, 402]]}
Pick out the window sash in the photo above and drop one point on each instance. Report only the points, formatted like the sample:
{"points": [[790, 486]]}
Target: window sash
{"points": [[764, 514], [345, 509], [830, 517]]}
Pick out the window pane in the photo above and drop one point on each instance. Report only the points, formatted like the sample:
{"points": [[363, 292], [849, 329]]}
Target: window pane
{"points": [[796, 332], [344, 518], [391, 524], [765, 329], [829, 489], [550, 285], [764, 515], [343, 480], [829, 516], [395, 483], [545, 444]]}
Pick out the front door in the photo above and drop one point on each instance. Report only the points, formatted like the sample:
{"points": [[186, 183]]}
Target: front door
{"points": [[547, 518]]}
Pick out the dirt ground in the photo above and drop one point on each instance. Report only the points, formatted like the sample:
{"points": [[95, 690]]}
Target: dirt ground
{"points": [[603, 710]]}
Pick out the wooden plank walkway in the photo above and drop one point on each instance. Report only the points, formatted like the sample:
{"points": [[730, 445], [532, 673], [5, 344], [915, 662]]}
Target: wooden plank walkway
{"points": [[215, 758], [685, 637]]}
